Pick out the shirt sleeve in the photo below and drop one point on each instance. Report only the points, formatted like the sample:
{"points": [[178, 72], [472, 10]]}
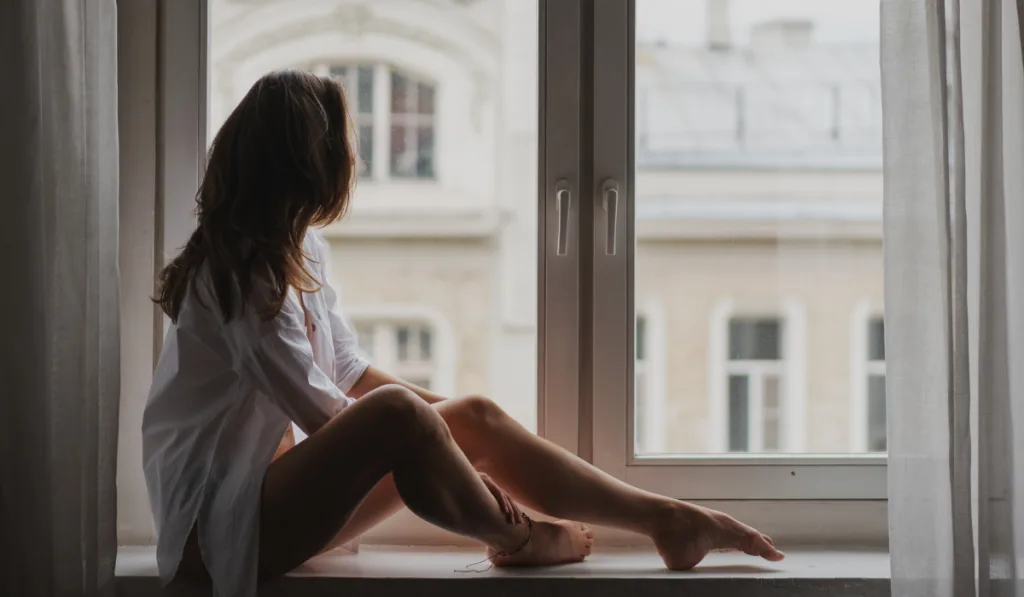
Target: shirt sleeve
{"points": [[280, 365], [349, 364]]}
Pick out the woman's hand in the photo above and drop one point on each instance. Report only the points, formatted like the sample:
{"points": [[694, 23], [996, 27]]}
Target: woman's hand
{"points": [[374, 378], [513, 515]]}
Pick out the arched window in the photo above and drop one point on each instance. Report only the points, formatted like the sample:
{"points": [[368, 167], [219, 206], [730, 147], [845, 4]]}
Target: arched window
{"points": [[394, 116], [756, 384]]}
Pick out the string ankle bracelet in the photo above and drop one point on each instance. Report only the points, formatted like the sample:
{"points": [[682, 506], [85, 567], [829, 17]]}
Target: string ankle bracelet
{"points": [[502, 554]]}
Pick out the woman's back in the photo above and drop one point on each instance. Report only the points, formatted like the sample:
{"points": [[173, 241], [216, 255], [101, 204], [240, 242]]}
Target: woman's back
{"points": [[217, 411]]}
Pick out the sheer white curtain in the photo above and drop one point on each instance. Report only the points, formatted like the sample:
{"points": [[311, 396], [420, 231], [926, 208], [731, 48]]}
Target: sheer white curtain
{"points": [[953, 102], [59, 377]]}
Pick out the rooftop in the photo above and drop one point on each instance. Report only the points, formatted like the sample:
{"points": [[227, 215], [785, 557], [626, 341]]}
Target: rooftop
{"points": [[788, 103]]}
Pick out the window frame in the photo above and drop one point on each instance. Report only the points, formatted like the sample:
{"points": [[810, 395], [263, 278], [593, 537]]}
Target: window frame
{"points": [[162, 93], [585, 388], [706, 477]]}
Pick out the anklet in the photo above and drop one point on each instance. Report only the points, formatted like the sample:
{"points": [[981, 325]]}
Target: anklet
{"points": [[502, 554]]}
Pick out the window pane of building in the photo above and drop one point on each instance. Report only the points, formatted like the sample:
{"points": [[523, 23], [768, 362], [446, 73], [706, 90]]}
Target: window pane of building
{"points": [[755, 340], [425, 151], [771, 414], [403, 152], [876, 413], [365, 149], [426, 99], [340, 72], [365, 86], [402, 340], [739, 413], [401, 93], [425, 344], [876, 340]]}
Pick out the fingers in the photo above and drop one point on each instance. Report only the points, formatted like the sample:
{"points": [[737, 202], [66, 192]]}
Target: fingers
{"points": [[513, 514], [510, 510], [504, 503], [520, 518]]}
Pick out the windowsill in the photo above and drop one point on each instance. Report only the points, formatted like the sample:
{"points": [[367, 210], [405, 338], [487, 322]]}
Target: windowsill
{"points": [[384, 571]]}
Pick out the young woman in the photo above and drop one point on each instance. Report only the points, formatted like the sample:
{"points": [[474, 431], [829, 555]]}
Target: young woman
{"points": [[258, 341]]}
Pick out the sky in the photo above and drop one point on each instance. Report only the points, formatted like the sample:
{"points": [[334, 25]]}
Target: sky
{"points": [[683, 21]]}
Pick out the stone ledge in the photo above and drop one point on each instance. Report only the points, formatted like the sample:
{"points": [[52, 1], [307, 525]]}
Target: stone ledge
{"points": [[426, 572]]}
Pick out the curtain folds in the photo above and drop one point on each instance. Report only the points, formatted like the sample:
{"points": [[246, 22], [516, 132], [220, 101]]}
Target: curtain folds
{"points": [[953, 105], [59, 361]]}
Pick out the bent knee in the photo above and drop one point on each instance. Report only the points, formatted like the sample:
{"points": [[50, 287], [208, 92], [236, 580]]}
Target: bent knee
{"points": [[404, 409], [479, 411]]}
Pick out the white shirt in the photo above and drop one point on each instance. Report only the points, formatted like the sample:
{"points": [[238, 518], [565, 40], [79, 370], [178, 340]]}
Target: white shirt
{"points": [[223, 395]]}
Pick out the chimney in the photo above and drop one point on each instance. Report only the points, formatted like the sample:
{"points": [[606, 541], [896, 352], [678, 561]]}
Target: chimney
{"points": [[787, 34], [719, 26]]}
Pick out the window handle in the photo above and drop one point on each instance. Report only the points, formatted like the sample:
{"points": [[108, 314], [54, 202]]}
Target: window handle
{"points": [[563, 197], [610, 204]]}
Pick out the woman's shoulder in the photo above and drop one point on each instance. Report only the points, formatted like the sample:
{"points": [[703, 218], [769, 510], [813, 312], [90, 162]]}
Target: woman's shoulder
{"points": [[315, 244]]}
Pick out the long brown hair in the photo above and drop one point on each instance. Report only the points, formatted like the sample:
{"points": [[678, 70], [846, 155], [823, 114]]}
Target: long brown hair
{"points": [[282, 162]]}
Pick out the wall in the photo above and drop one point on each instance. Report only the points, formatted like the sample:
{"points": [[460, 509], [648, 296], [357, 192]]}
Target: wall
{"points": [[138, 70], [690, 280]]}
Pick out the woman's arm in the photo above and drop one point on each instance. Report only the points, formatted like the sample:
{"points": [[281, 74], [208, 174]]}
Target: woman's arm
{"points": [[374, 378]]}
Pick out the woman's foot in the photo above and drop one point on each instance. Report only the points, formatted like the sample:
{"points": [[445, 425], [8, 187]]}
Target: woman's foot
{"points": [[691, 532], [559, 542]]}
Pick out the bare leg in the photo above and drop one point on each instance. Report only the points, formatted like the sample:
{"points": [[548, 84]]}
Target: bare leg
{"points": [[549, 479], [313, 489]]}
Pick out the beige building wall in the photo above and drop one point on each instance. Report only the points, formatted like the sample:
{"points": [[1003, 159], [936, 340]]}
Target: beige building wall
{"points": [[690, 281], [403, 279]]}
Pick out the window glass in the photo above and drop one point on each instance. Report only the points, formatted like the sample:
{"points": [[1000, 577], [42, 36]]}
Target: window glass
{"points": [[876, 340], [641, 387], [758, 189], [876, 413], [875, 399], [440, 93], [756, 406], [755, 340], [771, 415], [739, 413], [364, 96]]}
